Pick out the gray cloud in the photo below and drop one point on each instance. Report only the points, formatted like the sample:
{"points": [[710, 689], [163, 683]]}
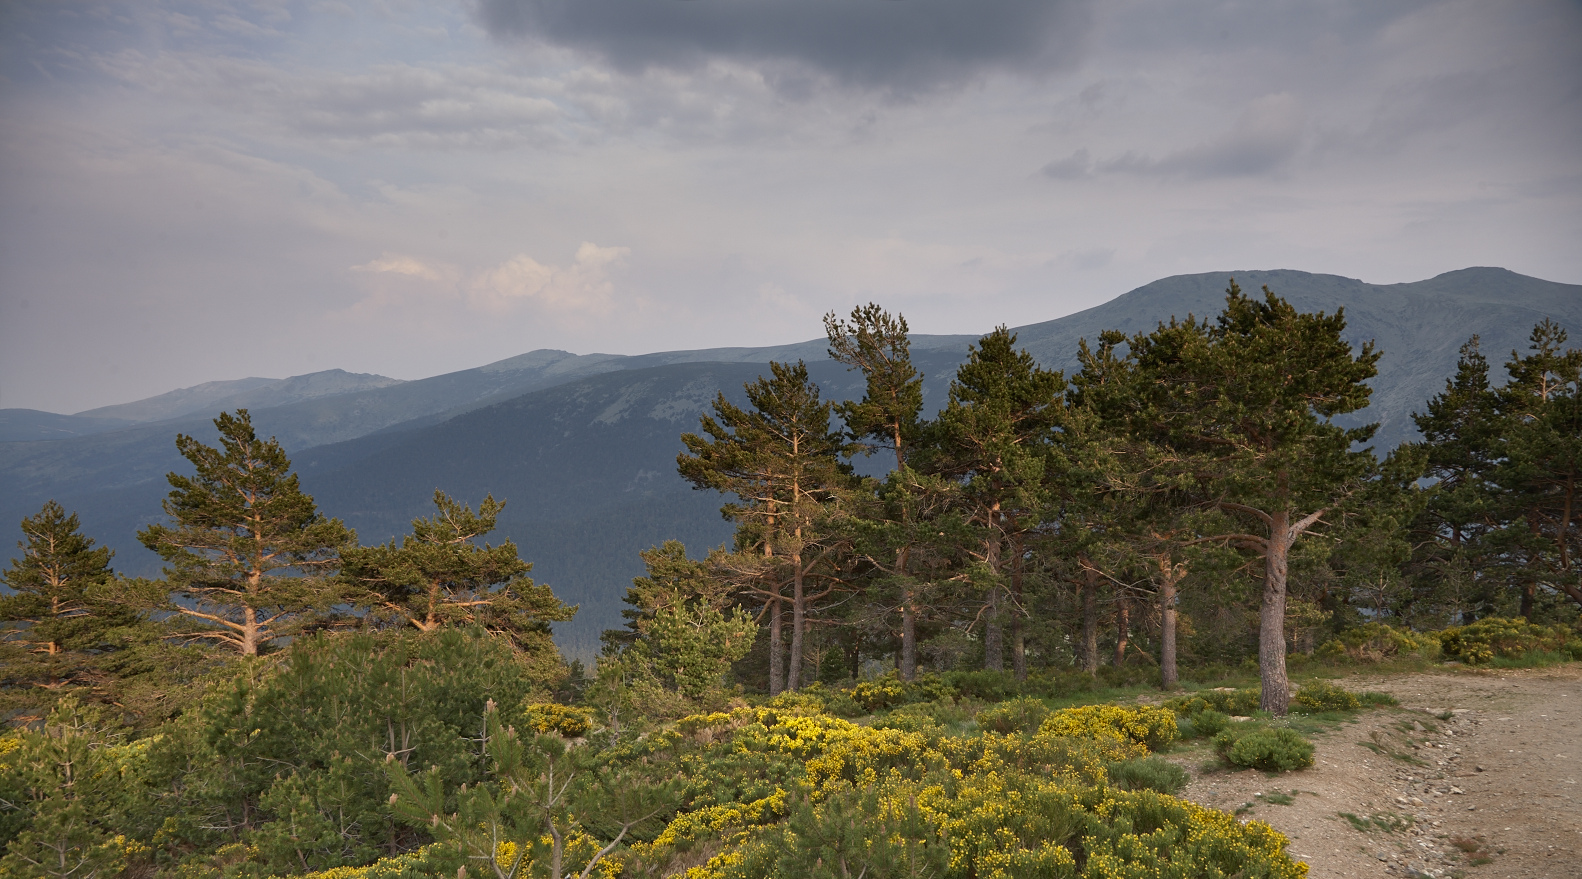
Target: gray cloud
{"points": [[1267, 134], [901, 47]]}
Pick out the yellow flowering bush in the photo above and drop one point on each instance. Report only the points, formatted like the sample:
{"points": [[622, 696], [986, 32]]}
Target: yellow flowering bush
{"points": [[1153, 728], [1325, 696], [562, 720]]}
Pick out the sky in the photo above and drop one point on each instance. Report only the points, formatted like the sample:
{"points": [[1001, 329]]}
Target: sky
{"points": [[198, 190]]}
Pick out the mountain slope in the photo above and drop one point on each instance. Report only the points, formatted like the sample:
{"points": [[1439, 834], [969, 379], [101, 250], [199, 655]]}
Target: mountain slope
{"points": [[31, 425], [583, 447], [246, 393]]}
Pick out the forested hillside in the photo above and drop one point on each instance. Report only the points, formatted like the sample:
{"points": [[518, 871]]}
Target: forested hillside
{"points": [[584, 495], [856, 680]]}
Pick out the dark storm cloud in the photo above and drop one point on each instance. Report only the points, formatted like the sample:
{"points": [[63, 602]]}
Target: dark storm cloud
{"points": [[902, 46]]}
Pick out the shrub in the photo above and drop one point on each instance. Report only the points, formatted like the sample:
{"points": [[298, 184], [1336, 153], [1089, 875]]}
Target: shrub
{"points": [[885, 692], [1209, 723], [890, 691], [801, 701], [909, 718], [1261, 747], [1371, 642], [1151, 727], [1497, 636], [1014, 715], [1325, 696], [1238, 703], [562, 720], [1149, 773], [984, 685]]}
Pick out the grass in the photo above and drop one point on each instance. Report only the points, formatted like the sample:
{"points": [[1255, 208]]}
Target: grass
{"points": [[1277, 798], [1388, 822], [1530, 659]]}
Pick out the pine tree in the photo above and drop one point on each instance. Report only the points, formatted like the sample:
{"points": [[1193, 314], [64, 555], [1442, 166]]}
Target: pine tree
{"points": [[1462, 429], [887, 417], [53, 579], [1540, 468], [61, 630], [246, 548], [992, 439], [438, 576], [680, 624], [1247, 404], [783, 462]]}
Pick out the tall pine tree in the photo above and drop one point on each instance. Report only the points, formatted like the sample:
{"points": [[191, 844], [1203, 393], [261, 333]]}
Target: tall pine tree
{"points": [[887, 417], [783, 462], [246, 549], [1247, 403], [992, 440]]}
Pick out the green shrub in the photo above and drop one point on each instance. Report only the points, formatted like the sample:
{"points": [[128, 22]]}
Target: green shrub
{"points": [[1151, 727], [1372, 642], [930, 687], [1325, 696], [1249, 746], [1148, 773], [1237, 703], [1497, 636], [1209, 723], [985, 686], [1014, 715], [1377, 700]]}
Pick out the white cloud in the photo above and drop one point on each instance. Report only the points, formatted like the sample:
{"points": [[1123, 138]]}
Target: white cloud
{"points": [[395, 263], [582, 288]]}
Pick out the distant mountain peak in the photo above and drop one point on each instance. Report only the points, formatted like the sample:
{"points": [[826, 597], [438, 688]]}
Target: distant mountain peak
{"points": [[244, 393]]}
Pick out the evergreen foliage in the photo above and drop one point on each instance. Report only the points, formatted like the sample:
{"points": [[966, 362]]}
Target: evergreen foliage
{"points": [[439, 576], [782, 461], [240, 528]]}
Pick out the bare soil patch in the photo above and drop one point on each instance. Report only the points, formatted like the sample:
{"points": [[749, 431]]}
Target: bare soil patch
{"points": [[1476, 774]]}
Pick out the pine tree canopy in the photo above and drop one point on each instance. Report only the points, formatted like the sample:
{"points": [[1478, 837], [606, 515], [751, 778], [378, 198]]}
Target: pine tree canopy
{"points": [[246, 549]]}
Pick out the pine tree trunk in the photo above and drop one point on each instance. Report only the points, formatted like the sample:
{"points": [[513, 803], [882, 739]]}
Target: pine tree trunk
{"points": [[1276, 698], [1090, 620], [908, 635], [1018, 635], [1167, 632], [776, 648], [798, 623], [993, 634], [993, 637], [1123, 629], [249, 631]]}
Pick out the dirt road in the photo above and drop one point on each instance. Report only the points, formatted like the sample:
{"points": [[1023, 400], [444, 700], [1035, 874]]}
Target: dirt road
{"points": [[1477, 774]]}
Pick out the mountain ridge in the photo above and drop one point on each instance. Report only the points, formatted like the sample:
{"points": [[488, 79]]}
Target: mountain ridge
{"points": [[583, 446]]}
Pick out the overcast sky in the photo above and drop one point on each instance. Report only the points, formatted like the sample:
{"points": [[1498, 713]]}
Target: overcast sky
{"points": [[213, 189]]}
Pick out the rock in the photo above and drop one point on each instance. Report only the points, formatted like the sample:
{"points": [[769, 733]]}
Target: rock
{"points": [[1479, 767]]}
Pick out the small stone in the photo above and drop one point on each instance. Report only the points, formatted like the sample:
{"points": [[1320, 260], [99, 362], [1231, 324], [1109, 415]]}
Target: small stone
{"points": [[1456, 790], [1479, 767]]}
